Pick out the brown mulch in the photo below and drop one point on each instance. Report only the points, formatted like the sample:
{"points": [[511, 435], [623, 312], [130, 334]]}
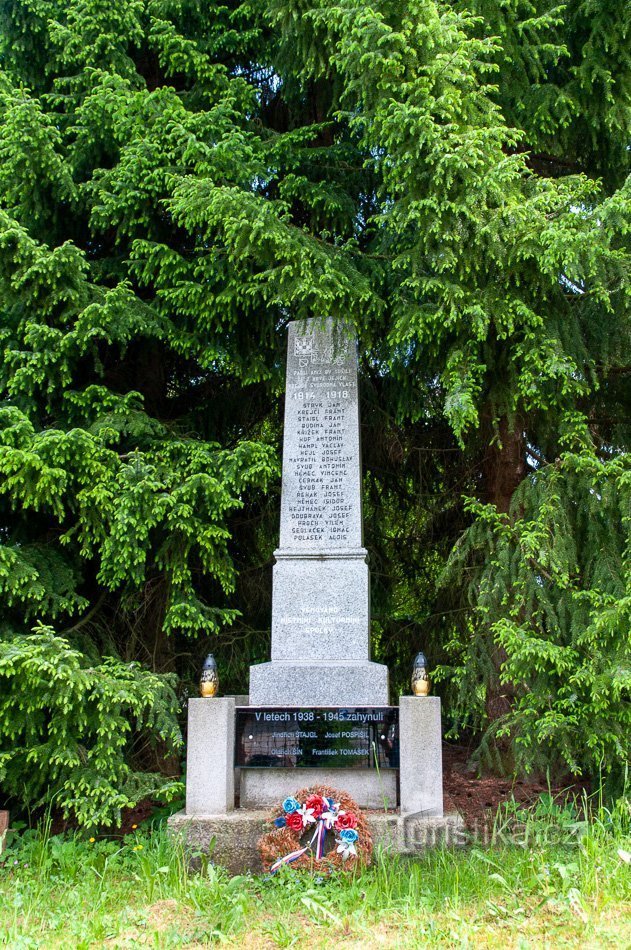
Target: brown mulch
{"points": [[130, 817], [477, 797]]}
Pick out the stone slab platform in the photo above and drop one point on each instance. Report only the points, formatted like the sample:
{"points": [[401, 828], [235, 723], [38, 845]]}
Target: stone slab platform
{"points": [[326, 683], [236, 834]]}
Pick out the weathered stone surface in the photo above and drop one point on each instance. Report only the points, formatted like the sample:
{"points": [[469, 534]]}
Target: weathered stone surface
{"points": [[320, 683], [417, 832], [260, 787], [210, 756], [233, 837], [421, 757], [4, 827], [321, 491], [321, 609], [236, 835]]}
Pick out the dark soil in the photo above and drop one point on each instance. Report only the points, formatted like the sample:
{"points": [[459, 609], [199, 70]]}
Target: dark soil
{"points": [[131, 818], [477, 797]]}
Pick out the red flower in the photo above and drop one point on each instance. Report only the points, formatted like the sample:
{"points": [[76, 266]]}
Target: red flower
{"points": [[347, 820], [317, 803], [294, 821]]}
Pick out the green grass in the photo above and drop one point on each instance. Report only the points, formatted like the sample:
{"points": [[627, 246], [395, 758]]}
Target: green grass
{"points": [[548, 880]]}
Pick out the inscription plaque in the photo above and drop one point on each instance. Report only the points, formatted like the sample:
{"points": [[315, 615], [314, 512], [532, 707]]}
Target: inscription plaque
{"points": [[360, 737], [321, 508]]}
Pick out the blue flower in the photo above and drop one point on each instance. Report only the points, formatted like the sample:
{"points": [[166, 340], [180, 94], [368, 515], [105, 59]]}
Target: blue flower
{"points": [[349, 835], [290, 805], [280, 822], [331, 802]]}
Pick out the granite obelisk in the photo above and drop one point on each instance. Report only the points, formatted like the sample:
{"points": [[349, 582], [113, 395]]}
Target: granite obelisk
{"points": [[321, 598]]}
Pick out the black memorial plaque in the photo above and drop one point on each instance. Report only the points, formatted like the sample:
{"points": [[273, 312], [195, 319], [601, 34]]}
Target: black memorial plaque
{"points": [[360, 737]]}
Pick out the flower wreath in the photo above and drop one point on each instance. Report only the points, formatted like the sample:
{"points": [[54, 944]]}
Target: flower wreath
{"points": [[306, 823]]}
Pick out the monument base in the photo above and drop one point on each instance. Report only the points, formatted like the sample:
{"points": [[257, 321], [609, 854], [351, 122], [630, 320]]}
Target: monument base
{"points": [[231, 839], [212, 784], [325, 683], [267, 787]]}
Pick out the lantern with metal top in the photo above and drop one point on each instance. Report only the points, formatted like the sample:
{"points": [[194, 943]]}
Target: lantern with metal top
{"points": [[209, 681], [420, 678]]}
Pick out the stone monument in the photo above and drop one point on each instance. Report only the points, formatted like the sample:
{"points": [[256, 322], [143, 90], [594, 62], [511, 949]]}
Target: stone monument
{"points": [[320, 699], [321, 587]]}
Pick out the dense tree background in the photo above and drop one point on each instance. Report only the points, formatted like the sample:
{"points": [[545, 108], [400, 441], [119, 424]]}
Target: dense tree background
{"points": [[178, 180]]}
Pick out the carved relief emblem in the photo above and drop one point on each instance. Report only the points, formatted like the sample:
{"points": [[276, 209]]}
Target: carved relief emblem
{"points": [[336, 353], [303, 348], [303, 345], [307, 352]]}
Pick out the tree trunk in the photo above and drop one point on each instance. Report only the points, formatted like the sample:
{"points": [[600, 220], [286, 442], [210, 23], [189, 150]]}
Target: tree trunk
{"points": [[504, 467]]}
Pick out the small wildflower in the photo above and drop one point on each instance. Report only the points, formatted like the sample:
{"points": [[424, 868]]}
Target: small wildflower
{"points": [[92, 840], [138, 847], [133, 827]]}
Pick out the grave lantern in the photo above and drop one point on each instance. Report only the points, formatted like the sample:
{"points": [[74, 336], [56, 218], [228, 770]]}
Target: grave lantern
{"points": [[420, 679], [209, 680]]}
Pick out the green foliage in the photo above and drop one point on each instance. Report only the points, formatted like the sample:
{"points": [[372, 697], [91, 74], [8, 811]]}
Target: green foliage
{"points": [[177, 181], [66, 726], [551, 588], [115, 500]]}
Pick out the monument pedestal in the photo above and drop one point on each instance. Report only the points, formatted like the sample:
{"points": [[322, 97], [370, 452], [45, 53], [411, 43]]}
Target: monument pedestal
{"points": [[232, 839], [320, 634], [404, 806], [267, 787], [416, 787], [210, 756], [326, 683]]}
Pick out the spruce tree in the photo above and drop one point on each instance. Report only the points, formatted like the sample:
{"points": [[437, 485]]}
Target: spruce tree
{"points": [[177, 181]]}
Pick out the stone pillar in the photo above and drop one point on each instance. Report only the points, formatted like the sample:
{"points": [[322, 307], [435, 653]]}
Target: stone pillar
{"points": [[320, 605], [421, 757], [210, 756], [4, 827]]}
